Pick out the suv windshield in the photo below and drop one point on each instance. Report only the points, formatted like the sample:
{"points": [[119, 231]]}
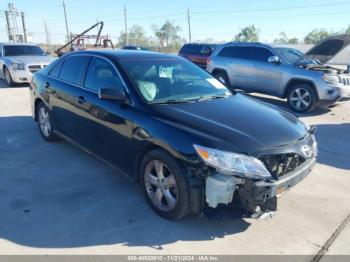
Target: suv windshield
{"points": [[24, 50], [173, 81], [291, 55]]}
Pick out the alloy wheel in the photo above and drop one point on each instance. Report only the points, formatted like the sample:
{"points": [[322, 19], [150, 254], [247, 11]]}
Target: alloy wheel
{"points": [[44, 121], [161, 185], [300, 98]]}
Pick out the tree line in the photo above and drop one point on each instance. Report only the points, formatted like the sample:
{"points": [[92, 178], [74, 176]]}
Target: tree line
{"points": [[166, 38]]}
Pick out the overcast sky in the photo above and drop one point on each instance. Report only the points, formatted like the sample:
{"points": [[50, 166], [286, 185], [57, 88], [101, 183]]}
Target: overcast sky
{"points": [[220, 19]]}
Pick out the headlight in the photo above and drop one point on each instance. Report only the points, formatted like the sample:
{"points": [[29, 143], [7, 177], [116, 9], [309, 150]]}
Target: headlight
{"points": [[331, 78], [233, 164], [18, 66]]}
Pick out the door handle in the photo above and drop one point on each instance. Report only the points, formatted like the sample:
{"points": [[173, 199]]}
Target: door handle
{"points": [[80, 99]]}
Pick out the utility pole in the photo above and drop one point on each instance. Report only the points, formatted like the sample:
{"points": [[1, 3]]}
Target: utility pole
{"points": [[24, 28], [189, 25], [126, 27], [65, 18], [48, 38], [8, 25]]}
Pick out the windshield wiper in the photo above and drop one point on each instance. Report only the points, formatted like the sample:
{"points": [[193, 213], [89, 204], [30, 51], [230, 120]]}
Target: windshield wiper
{"points": [[173, 101], [203, 98]]}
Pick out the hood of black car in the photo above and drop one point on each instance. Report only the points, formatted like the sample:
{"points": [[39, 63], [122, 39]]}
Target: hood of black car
{"points": [[237, 123], [328, 48]]}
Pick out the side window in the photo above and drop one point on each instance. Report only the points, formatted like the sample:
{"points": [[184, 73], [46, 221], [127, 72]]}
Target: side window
{"points": [[239, 52], [73, 68], [194, 49], [242, 52], [55, 71], [226, 52], [0, 50], [262, 54], [184, 49], [101, 74]]}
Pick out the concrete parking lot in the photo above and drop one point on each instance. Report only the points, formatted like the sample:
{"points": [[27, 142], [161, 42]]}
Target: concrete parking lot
{"points": [[56, 199]]}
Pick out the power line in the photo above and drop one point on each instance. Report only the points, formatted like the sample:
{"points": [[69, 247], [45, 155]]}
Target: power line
{"points": [[271, 8]]}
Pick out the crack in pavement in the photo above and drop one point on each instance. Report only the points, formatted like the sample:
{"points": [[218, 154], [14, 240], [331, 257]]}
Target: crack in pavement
{"points": [[331, 239]]}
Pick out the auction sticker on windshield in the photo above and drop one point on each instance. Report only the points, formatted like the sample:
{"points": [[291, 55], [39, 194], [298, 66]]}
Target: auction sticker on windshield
{"points": [[166, 71]]}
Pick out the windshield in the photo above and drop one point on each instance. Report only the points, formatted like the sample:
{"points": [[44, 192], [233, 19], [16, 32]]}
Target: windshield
{"points": [[173, 81], [23, 51], [291, 55]]}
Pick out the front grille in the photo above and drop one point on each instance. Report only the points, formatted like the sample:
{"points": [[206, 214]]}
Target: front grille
{"points": [[34, 68], [282, 164], [345, 80]]}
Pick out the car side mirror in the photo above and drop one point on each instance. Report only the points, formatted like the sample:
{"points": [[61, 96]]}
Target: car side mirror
{"points": [[116, 94], [274, 60]]}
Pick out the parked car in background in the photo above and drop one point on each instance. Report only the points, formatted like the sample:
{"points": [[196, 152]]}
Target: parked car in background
{"points": [[18, 61], [165, 122], [279, 71], [197, 53], [135, 47]]}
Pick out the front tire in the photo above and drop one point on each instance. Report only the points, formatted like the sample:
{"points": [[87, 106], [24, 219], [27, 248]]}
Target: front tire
{"points": [[43, 116], [8, 78], [302, 98], [164, 185]]}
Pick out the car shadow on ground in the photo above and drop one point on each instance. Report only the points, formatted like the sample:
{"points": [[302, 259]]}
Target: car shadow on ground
{"points": [[3, 84], [53, 195]]}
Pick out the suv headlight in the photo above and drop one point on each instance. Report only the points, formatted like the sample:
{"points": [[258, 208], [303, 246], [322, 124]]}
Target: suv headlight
{"points": [[229, 163], [331, 78], [18, 66]]}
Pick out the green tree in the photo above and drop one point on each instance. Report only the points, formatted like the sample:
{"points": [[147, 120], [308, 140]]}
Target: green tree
{"points": [[282, 40], [293, 41], [247, 34], [285, 40], [316, 35], [347, 31], [136, 36], [168, 36]]}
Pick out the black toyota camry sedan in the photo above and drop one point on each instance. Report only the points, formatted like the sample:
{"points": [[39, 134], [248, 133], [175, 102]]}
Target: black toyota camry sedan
{"points": [[167, 124]]}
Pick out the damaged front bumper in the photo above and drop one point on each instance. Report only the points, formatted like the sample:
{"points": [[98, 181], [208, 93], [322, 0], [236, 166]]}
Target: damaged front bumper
{"points": [[253, 195]]}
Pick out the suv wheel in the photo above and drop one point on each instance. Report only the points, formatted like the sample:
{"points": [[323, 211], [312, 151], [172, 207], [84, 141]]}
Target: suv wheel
{"points": [[222, 77], [164, 185], [302, 98], [8, 78], [44, 122]]}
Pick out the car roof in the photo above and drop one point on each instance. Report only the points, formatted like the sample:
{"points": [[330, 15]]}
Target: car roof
{"points": [[129, 54], [17, 44], [258, 44], [199, 44]]}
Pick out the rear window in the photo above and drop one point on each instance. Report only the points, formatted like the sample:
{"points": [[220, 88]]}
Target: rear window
{"points": [[193, 49], [239, 52], [73, 69]]}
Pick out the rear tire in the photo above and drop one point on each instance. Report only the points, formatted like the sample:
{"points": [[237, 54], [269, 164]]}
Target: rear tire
{"points": [[8, 78], [43, 116], [302, 98], [164, 185]]}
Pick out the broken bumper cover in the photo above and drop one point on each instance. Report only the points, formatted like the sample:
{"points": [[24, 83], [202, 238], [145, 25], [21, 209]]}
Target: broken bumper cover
{"points": [[261, 193]]}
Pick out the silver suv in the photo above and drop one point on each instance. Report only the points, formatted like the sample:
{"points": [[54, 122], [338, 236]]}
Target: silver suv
{"points": [[279, 71]]}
